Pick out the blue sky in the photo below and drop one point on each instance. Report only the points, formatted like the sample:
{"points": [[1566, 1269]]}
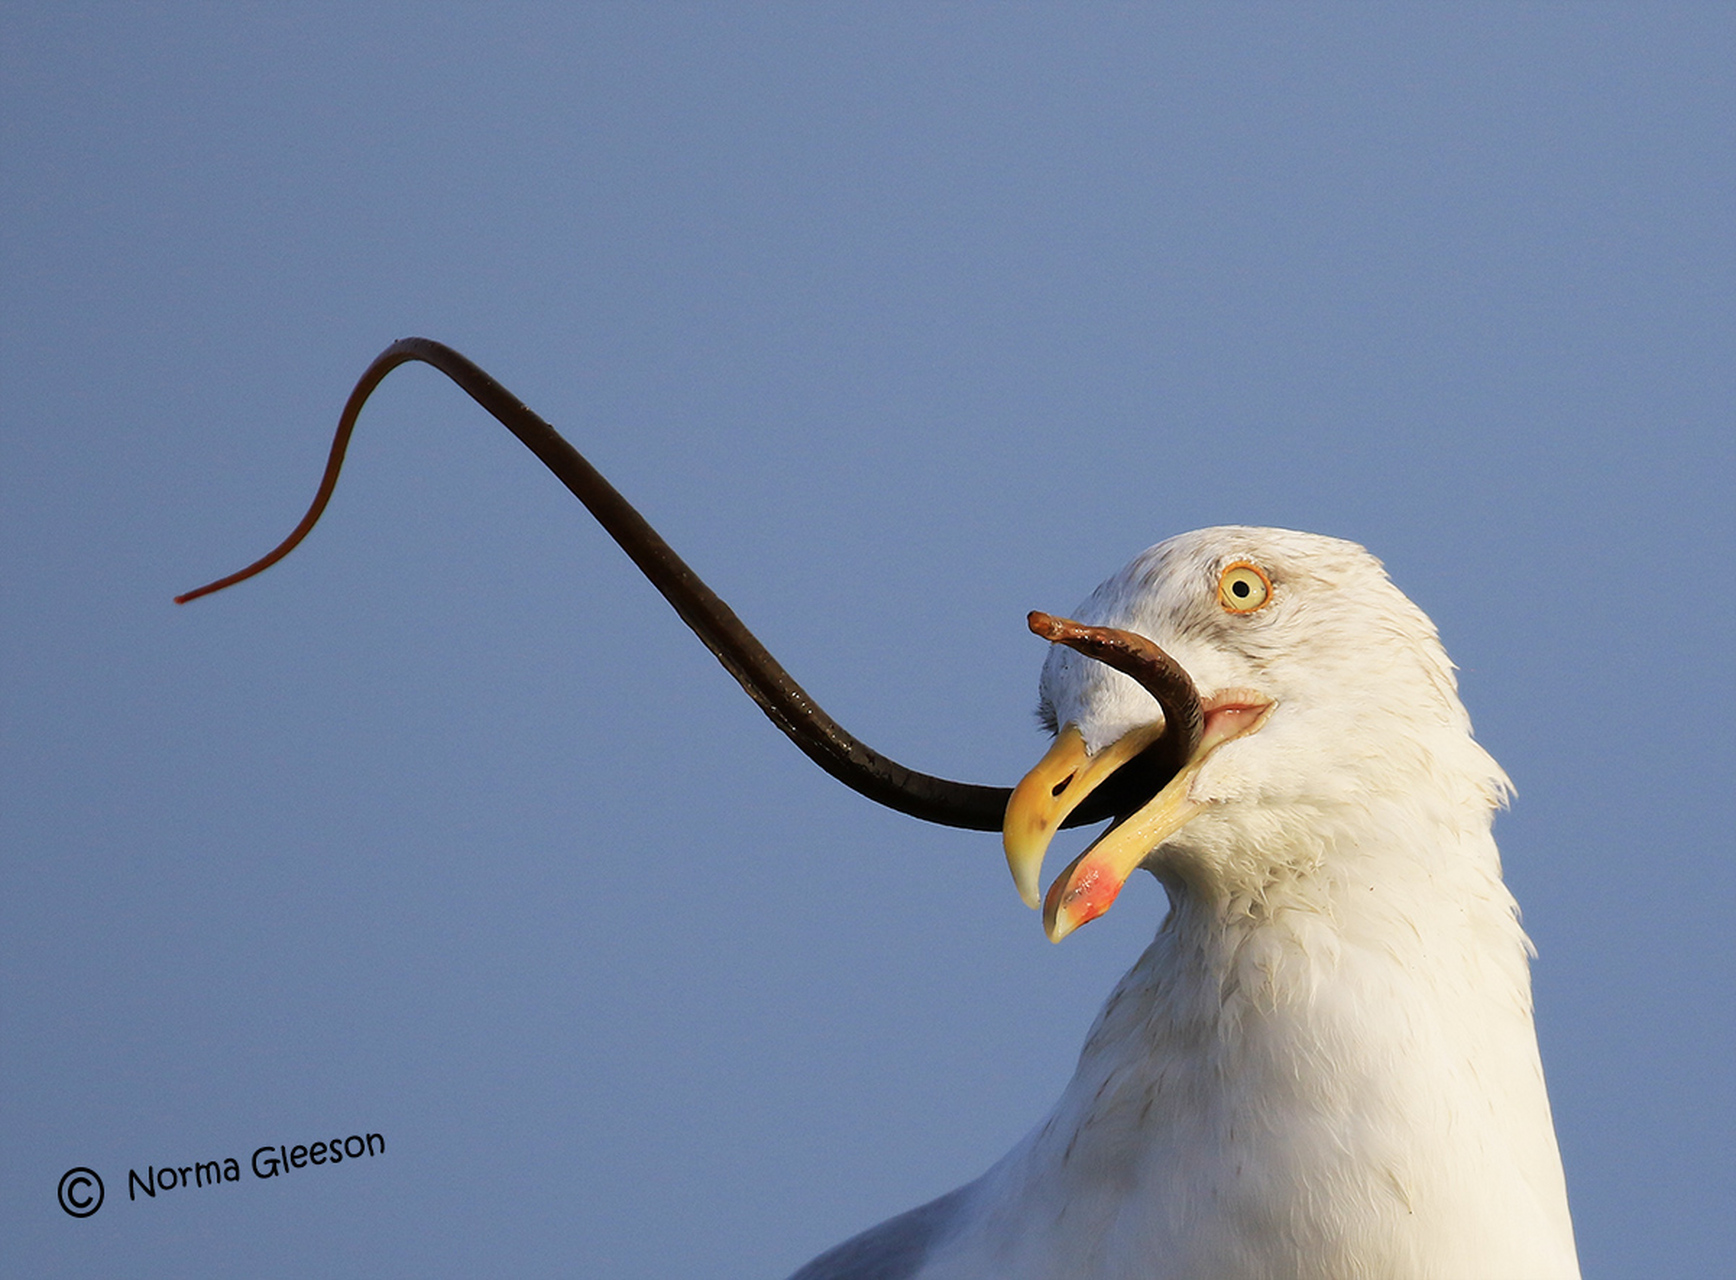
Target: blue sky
{"points": [[898, 322]]}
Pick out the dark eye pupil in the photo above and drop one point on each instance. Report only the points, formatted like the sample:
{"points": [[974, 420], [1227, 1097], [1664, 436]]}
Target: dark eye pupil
{"points": [[1239, 588]]}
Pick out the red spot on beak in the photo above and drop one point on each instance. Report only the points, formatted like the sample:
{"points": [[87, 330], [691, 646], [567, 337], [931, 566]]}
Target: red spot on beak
{"points": [[1082, 892]]}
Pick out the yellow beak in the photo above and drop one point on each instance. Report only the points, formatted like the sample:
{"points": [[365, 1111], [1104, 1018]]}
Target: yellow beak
{"points": [[1064, 777]]}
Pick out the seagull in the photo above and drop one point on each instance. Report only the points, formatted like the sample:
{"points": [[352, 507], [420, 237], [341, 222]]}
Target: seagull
{"points": [[1325, 1065]]}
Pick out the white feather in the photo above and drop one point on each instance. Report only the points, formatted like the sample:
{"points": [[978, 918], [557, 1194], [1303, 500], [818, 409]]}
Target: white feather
{"points": [[1325, 1065]]}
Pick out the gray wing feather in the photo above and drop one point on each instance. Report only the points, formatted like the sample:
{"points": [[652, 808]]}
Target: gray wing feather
{"points": [[894, 1250]]}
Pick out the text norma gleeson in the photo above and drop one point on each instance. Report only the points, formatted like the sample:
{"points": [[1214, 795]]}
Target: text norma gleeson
{"points": [[267, 1162]]}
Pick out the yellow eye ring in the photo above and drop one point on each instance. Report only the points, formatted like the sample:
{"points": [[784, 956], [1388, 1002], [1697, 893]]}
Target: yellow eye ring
{"points": [[1243, 588]]}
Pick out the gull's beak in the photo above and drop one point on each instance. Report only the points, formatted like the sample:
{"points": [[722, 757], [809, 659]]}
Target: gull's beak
{"points": [[1067, 774], [1051, 791]]}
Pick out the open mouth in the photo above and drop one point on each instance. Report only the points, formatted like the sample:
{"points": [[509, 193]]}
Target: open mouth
{"points": [[1175, 747]]}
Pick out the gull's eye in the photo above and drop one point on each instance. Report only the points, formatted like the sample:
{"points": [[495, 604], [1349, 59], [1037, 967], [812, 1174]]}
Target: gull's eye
{"points": [[1243, 587]]}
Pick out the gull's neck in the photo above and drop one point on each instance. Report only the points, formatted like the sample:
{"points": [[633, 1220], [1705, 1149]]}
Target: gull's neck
{"points": [[1333, 1062]]}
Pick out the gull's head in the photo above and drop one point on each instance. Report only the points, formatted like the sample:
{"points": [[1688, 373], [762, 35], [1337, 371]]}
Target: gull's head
{"points": [[1325, 695]]}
